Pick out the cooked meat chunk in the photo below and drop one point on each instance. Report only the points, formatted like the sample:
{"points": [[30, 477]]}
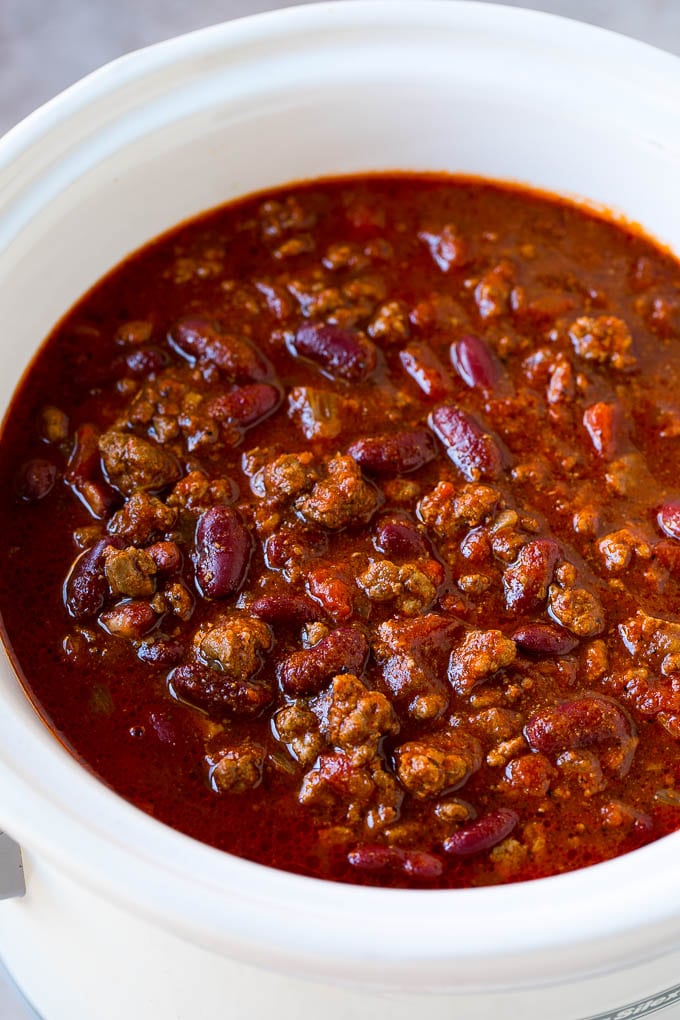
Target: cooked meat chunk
{"points": [[235, 645], [238, 768], [653, 640], [298, 728], [603, 339], [288, 475], [177, 600], [129, 572], [581, 768], [390, 324], [198, 492], [134, 463], [142, 518], [363, 795], [354, 719], [480, 654], [577, 609], [413, 656], [618, 548], [446, 510], [343, 497], [408, 585], [498, 723], [439, 764], [493, 291]]}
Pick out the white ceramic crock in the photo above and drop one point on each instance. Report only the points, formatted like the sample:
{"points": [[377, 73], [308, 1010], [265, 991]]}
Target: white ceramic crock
{"points": [[123, 917]]}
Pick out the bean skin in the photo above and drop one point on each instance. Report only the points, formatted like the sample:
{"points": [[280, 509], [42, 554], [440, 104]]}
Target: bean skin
{"points": [[217, 693], [526, 581], [35, 480], [668, 519], [475, 363], [345, 650], [475, 453], [339, 353], [400, 539], [131, 620], [417, 864], [582, 723], [247, 405], [199, 340], [395, 454], [544, 639], [223, 548], [166, 555], [162, 653], [86, 587], [286, 609], [146, 360], [84, 460], [482, 834]]}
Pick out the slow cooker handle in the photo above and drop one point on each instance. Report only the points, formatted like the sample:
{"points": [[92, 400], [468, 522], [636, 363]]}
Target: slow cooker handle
{"points": [[12, 883]]}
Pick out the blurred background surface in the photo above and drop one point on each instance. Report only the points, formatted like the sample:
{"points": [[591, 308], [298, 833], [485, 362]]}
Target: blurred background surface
{"points": [[46, 45]]}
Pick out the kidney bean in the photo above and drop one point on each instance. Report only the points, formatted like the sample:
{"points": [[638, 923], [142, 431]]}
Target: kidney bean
{"points": [[394, 454], [475, 363], [166, 555], [417, 864], [526, 580], [246, 405], [475, 453], [84, 460], [223, 548], [668, 519], [424, 367], [294, 545], [217, 693], [483, 834], [602, 422], [162, 653], [345, 650], [86, 587], [286, 609], [131, 620], [199, 340], [340, 353], [35, 480], [98, 497], [586, 722], [146, 360], [544, 639], [400, 540]]}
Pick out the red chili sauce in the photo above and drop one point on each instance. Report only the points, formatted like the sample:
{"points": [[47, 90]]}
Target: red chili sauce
{"points": [[340, 529]]}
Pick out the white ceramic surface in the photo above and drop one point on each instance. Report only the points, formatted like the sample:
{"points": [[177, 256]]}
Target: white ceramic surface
{"points": [[140, 145]]}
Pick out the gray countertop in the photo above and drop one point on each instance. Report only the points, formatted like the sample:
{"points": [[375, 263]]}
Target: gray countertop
{"points": [[46, 45]]}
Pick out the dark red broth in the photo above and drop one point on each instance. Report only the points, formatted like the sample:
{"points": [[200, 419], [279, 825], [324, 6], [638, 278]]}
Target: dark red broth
{"points": [[341, 530]]}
